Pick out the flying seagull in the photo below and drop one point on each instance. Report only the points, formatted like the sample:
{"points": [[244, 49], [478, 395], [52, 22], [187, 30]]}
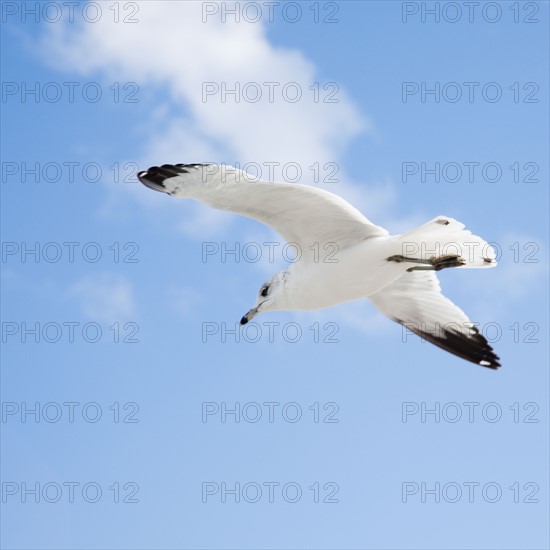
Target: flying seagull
{"points": [[342, 256]]}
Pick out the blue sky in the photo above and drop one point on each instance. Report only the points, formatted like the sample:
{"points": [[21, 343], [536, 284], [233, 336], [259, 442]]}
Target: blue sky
{"points": [[123, 268]]}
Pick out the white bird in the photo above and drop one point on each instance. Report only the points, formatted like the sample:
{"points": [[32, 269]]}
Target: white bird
{"points": [[343, 256]]}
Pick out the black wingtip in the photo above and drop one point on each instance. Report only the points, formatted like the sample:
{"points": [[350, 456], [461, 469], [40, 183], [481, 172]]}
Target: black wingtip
{"points": [[155, 176], [473, 347]]}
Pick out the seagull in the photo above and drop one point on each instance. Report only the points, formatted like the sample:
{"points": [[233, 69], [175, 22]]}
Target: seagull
{"points": [[342, 256]]}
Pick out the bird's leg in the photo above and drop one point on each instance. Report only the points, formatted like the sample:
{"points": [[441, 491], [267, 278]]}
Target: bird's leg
{"points": [[397, 258], [435, 263]]}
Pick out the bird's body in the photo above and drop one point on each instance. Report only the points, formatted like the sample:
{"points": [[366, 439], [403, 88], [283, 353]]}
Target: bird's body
{"points": [[351, 274], [342, 256]]}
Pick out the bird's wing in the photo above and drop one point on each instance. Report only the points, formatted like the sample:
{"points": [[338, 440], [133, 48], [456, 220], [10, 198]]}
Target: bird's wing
{"points": [[307, 216], [415, 301]]}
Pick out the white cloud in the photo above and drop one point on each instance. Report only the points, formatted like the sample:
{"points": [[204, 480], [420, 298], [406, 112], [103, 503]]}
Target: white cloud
{"points": [[170, 49], [172, 53], [104, 298]]}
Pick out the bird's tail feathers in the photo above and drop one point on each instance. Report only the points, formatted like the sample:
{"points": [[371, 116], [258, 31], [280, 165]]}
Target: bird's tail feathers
{"points": [[443, 241]]}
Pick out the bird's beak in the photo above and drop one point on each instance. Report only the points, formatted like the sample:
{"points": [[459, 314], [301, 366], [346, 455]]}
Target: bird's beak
{"points": [[250, 315]]}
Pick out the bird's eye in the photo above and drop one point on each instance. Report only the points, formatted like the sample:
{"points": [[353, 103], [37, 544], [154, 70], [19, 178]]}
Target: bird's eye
{"points": [[264, 291]]}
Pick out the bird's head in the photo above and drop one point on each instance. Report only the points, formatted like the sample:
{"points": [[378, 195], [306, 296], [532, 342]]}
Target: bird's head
{"points": [[271, 296]]}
